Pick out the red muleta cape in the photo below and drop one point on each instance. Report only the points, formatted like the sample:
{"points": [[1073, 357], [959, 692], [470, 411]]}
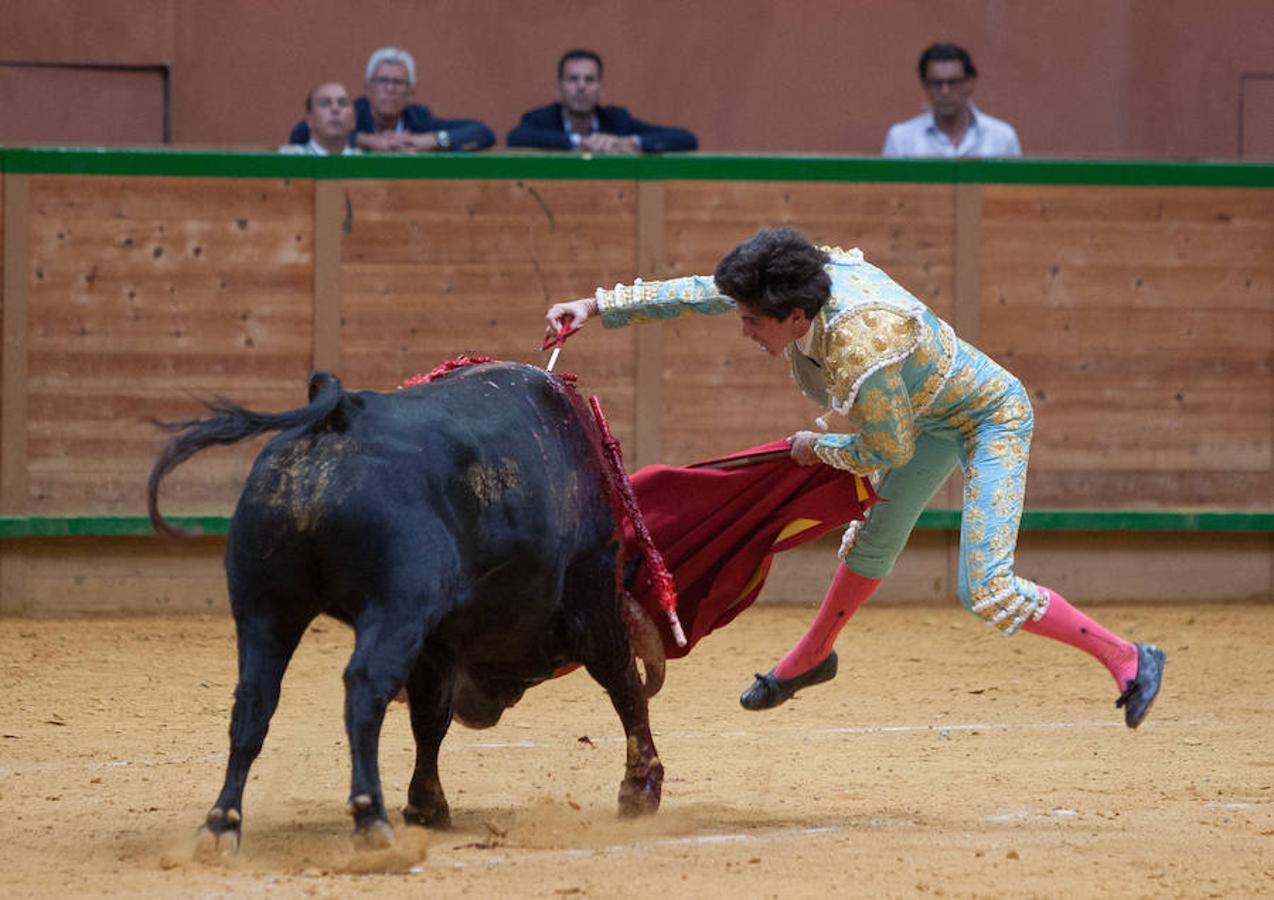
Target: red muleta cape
{"points": [[718, 531]]}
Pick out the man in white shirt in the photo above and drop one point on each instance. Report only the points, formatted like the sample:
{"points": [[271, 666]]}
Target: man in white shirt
{"points": [[330, 115], [953, 126]]}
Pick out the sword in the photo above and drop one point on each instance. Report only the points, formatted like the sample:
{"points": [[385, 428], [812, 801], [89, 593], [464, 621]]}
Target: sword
{"points": [[556, 341]]}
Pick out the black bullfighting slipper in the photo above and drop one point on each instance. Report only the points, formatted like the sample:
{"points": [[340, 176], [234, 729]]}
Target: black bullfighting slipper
{"points": [[769, 691], [1140, 694]]}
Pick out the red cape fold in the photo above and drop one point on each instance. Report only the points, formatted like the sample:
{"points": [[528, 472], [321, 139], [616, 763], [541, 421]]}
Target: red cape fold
{"points": [[718, 531]]}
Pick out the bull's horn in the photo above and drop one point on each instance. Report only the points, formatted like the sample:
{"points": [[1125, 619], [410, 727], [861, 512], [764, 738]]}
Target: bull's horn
{"points": [[646, 643]]}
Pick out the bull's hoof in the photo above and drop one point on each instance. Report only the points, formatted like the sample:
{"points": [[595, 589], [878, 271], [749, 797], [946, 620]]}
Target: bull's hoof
{"points": [[376, 835], [437, 815], [371, 826], [372, 830], [640, 792], [218, 837]]}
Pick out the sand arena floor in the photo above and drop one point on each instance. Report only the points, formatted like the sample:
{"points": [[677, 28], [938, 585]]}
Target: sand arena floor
{"points": [[944, 760]]}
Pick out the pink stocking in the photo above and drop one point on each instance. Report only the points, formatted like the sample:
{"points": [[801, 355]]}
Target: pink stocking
{"points": [[1063, 622], [848, 591]]}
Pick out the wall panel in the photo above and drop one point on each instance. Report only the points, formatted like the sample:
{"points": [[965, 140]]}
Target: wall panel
{"points": [[1142, 320], [144, 292], [431, 270]]}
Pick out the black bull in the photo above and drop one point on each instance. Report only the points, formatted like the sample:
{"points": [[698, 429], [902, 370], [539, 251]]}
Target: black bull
{"points": [[465, 528]]}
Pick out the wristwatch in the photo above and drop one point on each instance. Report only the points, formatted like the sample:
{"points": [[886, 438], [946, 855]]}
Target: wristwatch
{"points": [[444, 139]]}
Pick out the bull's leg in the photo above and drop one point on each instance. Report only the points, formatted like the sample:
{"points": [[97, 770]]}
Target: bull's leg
{"points": [[429, 691], [388, 640], [590, 586], [265, 647], [642, 787]]}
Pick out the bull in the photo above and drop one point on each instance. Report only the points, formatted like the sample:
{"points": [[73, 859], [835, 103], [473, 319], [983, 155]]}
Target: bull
{"points": [[466, 528]]}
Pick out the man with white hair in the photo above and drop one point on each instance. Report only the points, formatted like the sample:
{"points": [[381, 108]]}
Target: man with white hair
{"points": [[386, 121]]}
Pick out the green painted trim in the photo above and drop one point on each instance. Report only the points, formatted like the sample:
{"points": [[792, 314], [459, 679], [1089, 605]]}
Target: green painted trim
{"points": [[202, 164], [964, 171], [483, 166], [1146, 520], [670, 167], [798, 168], [101, 526], [934, 519], [171, 163], [1117, 520], [1125, 173]]}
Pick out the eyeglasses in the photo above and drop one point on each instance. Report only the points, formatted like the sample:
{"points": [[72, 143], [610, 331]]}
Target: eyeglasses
{"points": [[938, 84], [396, 84]]}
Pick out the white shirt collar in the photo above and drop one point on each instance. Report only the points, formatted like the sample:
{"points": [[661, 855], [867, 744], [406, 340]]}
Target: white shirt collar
{"points": [[805, 343], [570, 127], [932, 126]]}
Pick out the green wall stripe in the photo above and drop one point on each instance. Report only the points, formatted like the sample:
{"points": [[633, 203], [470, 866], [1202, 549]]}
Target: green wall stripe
{"points": [[671, 167], [172, 163], [101, 526], [935, 519]]}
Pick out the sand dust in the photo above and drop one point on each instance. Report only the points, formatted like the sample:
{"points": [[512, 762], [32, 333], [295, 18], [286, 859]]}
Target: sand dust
{"points": [[943, 760]]}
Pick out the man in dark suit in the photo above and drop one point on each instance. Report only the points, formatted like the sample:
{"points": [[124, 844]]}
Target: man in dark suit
{"points": [[387, 121], [580, 122]]}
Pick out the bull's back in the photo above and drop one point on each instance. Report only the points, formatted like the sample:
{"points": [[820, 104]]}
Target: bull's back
{"points": [[489, 464]]}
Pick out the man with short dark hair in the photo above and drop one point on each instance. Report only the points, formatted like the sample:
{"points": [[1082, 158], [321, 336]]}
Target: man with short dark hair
{"points": [[329, 114], [953, 126], [579, 121], [918, 402], [386, 121]]}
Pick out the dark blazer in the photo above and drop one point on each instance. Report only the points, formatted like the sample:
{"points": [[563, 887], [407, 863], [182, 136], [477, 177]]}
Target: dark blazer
{"points": [[466, 134], [543, 128]]}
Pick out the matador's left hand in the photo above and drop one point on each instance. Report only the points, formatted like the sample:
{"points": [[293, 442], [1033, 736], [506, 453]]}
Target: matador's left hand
{"points": [[803, 448]]}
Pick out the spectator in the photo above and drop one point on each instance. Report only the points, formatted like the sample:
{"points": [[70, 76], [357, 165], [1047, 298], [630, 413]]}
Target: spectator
{"points": [[329, 115], [580, 122], [387, 121], [953, 126]]}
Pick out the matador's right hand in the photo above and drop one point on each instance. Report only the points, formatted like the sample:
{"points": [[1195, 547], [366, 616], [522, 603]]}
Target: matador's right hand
{"points": [[573, 313]]}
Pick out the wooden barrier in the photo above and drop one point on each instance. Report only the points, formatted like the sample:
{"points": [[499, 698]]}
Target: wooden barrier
{"points": [[1136, 301]]}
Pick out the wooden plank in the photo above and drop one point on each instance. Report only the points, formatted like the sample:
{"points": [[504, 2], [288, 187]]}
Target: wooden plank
{"points": [[73, 576], [17, 298], [968, 259], [143, 292], [329, 217], [14, 240], [79, 576], [1140, 320], [434, 269], [649, 375], [966, 314]]}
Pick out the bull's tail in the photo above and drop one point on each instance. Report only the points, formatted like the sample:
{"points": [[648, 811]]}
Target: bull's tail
{"points": [[229, 424]]}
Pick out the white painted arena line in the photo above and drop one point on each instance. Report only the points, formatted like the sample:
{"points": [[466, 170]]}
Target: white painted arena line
{"points": [[940, 730], [757, 839], [461, 746]]}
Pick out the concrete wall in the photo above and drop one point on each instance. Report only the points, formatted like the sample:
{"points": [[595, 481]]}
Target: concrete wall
{"points": [[1076, 77]]}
